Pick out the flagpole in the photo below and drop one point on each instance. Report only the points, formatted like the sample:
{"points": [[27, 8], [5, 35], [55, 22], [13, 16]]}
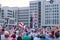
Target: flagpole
{"points": [[33, 20]]}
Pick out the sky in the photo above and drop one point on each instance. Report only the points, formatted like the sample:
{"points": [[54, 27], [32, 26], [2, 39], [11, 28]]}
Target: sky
{"points": [[15, 3]]}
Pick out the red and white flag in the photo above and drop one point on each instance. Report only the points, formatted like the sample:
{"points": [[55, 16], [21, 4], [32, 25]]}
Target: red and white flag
{"points": [[21, 24]]}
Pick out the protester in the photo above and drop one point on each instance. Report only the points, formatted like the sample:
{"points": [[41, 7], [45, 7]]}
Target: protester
{"points": [[13, 36], [6, 33], [18, 33], [2, 34], [26, 37], [19, 36]]}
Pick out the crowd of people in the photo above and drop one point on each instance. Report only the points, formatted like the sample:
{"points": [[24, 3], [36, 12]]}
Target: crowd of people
{"points": [[42, 33]]}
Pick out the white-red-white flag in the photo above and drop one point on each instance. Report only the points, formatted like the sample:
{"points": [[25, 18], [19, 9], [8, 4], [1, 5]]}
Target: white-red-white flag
{"points": [[21, 24]]}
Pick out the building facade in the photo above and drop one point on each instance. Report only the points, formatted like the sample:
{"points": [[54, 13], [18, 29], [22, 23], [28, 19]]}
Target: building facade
{"points": [[23, 15], [0, 11], [8, 16], [12, 16], [1, 20], [35, 13], [50, 13]]}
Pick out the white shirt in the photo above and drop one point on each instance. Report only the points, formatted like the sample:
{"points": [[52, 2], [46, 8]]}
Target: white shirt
{"points": [[36, 38], [2, 37]]}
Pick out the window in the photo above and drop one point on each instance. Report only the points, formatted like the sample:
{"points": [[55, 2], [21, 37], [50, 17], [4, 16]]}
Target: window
{"points": [[57, 14], [46, 11], [9, 11], [57, 10], [0, 9], [11, 21], [10, 14], [39, 4], [55, 21], [23, 20], [1, 21], [46, 21], [33, 3], [46, 5], [46, 8], [2, 14], [31, 12], [57, 7]]}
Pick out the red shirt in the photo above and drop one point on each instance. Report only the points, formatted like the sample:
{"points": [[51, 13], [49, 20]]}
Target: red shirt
{"points": [[14, 39]]}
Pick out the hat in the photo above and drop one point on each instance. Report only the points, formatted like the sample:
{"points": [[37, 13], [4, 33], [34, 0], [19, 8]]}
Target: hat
{"points": [[6, 33]]}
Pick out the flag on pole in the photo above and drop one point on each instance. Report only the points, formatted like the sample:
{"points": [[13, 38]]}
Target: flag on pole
{"points": [[33, 19]]}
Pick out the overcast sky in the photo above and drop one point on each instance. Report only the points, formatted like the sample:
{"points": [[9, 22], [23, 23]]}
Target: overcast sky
{"points": [[15, 3]]}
